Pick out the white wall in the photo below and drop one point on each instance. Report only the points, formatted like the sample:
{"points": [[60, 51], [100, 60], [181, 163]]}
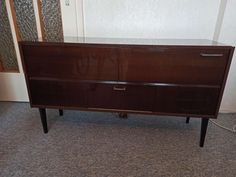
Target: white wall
{"points": [[69, 18], [151, 18], [228, 35]]}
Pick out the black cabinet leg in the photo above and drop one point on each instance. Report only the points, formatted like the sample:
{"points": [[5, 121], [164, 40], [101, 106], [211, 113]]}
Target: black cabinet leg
{"points": [[60, 112], [204, 125], [187, 120], [43, 116]]}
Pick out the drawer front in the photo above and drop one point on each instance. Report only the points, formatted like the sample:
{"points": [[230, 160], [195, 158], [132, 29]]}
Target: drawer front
{"points": [[187, 100], [121, 96], [179, 65], [58, 93], [138, 97], [160, 99], [103, 96], [73, 62], [92, 95]]}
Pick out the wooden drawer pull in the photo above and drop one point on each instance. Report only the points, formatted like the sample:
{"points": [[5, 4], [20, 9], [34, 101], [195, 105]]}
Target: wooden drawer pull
{"points": [[119, 88], [212, 55]]}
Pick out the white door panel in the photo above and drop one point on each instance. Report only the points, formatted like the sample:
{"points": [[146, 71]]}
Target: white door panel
{"points": [[13, 85]]}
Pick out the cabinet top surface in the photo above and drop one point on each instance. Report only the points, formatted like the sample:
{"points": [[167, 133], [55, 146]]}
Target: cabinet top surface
{"points": [[132, 41]]}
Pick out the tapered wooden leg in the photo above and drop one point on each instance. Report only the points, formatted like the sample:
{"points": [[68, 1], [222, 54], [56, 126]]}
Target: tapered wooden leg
{"points": [[187, 120], [43, 116], [204, 126], [60, 112]]}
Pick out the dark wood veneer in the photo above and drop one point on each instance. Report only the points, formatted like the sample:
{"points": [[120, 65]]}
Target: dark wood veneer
{"points": [[84, 63], [188, 100], [58, 93], [147, 78], [180, 65]]}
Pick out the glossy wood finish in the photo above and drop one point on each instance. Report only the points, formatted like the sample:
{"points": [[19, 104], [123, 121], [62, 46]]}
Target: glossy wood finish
{"points": [[179, 65], [116, 75], [188, 100], [131, 41], [71, 62], [168, 99], [59, 94]]}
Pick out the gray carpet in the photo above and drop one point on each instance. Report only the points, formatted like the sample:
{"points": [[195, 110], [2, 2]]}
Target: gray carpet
{"points": [[99, 144]]}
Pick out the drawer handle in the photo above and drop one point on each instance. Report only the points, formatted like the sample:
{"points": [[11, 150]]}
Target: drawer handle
{"points": [[212, 55], [119, 88]]}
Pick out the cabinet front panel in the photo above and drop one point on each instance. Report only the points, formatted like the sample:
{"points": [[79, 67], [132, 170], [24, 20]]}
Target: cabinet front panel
{"points": [[160, 79], [58, 93], [160, 99], [71, 62], [103, 96], [178, 65], [138, 97], [187, 100], [121, 96]]}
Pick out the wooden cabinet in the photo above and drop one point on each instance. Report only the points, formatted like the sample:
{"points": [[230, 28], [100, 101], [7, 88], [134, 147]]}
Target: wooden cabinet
{"points": [[178, 77]]}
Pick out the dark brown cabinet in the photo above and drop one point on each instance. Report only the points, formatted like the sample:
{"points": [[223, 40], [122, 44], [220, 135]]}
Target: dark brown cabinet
{"points": [[162, 77]]}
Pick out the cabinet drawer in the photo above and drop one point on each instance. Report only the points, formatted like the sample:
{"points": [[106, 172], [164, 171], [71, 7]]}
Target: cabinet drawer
{"points": [[103, 96], [92, 95], [187, 100], [160, 99], [74, 62], [178, 65], [121, 96], [138, 97], [58, 93]]}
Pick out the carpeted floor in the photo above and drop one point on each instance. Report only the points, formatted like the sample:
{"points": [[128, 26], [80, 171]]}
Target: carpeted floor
{"points": [[82, 144]]}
